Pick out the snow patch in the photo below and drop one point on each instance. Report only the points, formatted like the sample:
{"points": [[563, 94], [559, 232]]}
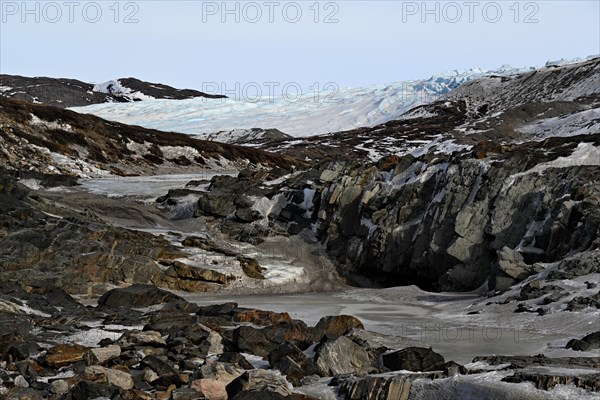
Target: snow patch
{"points": [[116, 88], [586, 154], [582, 123], [49, 124], [173, 152]]}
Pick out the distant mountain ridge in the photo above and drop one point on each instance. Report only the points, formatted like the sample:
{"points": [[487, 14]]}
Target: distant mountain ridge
{"points": [[64, 93]]}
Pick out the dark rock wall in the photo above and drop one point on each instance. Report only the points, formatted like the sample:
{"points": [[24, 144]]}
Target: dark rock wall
{"points": [[451, 222]]}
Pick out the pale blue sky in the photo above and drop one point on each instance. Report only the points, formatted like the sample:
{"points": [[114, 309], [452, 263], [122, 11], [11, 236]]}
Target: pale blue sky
{"points": [[183, 44]]}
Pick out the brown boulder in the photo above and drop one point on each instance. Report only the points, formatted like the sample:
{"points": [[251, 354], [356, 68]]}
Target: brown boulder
{"points": [[65, 354], [335, 326]]}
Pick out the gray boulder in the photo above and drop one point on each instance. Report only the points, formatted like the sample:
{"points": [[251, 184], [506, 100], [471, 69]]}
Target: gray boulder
{"points": [[342, 356]]}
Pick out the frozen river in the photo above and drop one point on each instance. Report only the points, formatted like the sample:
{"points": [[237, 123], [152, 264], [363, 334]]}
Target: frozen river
{"points": [[440, 320], [145, 188], [459, 326]]}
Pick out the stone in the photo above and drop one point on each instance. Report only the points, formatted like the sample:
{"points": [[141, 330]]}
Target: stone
{"points": [[260, 317], [141, 338], [170, 322], [236, 359], [418, 359], [21, 393], [107, 353], [579, 303], [247, 214], [163, 395], [251, 267], [263, 341], [185, 271], [513, 264], [208, 245], [167, 374], [22, 350], [215, 204], [342, 356], [263, 395], [65, 354], [547, 380], [258, 381], [210, 389], [20, 381], [587, 343], [149, 375], [137, 296], [386, 387], [286, 350], [114, 377], [293, 372], [220, 371], [59, 387], [186, 394], [452, 368], [335, 326], [388, 162], [540, 360], [213, 343], [86, 390]]}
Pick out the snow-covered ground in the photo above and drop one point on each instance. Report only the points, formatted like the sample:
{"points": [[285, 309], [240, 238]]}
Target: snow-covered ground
{"points": [[314, 113], [586, 154], [582, 123]]}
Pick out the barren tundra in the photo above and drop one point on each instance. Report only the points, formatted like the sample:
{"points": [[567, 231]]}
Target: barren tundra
{"points": [[440, 250]]}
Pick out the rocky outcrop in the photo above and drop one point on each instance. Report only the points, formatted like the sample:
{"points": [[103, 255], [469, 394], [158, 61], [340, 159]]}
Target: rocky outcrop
{"points": [[46, 245], [441, 221], [455, 222], [76, 253]]}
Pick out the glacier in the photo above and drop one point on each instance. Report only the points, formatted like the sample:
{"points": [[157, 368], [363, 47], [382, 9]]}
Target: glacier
{"points": [[313, 114]]}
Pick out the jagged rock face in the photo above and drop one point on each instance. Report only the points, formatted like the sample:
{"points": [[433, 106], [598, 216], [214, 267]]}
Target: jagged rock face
{"points": [[493, 214], [77, 255], [81, 253], [452, 222]]}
